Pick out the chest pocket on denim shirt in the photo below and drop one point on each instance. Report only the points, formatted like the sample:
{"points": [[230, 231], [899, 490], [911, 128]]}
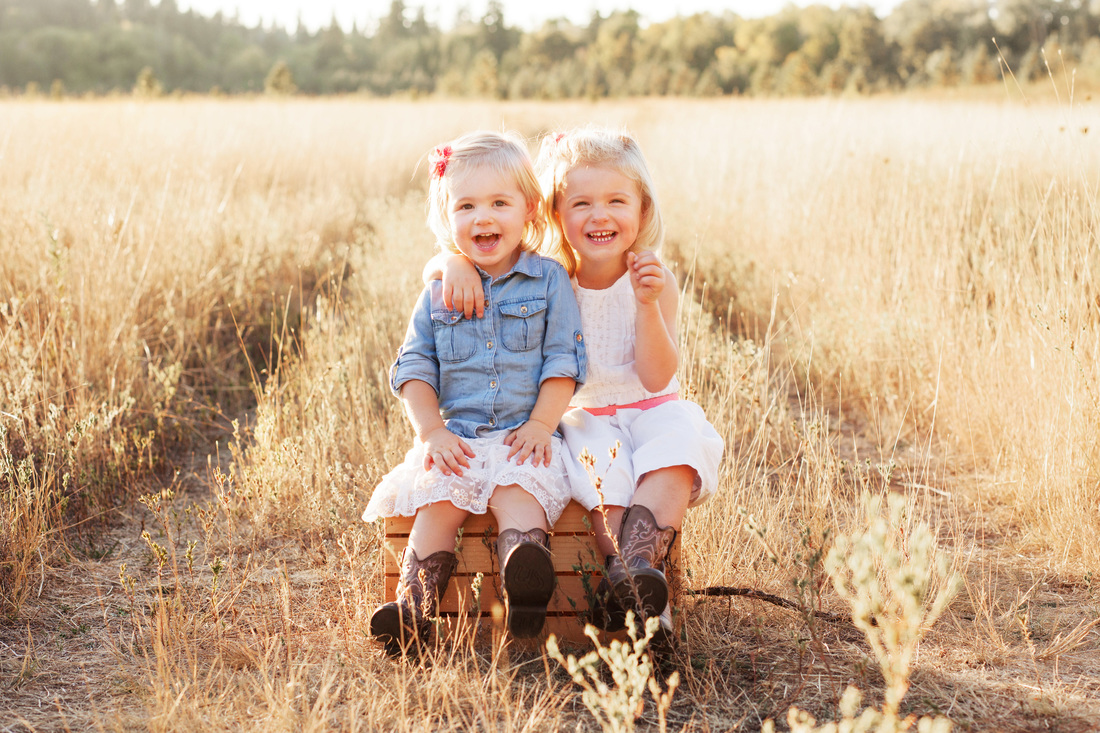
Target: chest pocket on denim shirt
{"points": [[523, 324], [455, 336]]}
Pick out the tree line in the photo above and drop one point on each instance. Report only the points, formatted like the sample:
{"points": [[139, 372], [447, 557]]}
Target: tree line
{"points": [[103, 46]]}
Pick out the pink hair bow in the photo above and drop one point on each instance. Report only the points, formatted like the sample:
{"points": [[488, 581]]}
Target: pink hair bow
{"points": [[438, 160]]}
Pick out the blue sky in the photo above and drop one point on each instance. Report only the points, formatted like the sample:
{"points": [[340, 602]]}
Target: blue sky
{"points": [[525, 13]]}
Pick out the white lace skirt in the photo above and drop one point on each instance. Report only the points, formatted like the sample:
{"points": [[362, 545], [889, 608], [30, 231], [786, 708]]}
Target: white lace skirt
{"points": [[408, 487]]}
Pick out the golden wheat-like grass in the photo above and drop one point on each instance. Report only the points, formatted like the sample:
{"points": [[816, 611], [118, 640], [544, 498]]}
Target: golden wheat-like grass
{"points": [[882, 294]]}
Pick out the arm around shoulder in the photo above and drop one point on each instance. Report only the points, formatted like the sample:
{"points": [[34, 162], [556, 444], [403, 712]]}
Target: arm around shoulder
{"points": [[462, 286], [563, 347]]}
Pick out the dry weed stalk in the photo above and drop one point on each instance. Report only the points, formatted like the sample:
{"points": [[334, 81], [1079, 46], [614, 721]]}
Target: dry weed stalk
{"points": [[616, 706], [897, 584]]}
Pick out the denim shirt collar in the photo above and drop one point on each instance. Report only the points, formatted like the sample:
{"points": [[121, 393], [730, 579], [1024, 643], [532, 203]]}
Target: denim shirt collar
{"points": [[529, 264]]}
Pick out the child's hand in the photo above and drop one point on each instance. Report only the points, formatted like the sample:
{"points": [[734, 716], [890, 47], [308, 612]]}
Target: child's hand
{"points": [[446, 451], [647, 276], [531, 439], [462, 287]]}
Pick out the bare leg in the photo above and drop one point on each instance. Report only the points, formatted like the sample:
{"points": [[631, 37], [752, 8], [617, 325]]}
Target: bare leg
{"points": [[526, 567], [666, 492], [606, 529], [514, 508], [435, 528], [426, 568]]}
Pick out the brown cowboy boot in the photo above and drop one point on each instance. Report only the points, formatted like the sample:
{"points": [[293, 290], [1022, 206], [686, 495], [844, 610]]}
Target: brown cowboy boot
{"points": [[636, 575], [404, 621], [604, 610], [528, 579]]}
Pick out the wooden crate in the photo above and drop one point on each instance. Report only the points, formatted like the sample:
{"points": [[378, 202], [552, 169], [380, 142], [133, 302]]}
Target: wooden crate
{"points": [[576, 562]]}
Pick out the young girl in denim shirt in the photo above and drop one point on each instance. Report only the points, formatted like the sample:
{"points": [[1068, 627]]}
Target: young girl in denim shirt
{"points": [[485, 395], [605, 229]]}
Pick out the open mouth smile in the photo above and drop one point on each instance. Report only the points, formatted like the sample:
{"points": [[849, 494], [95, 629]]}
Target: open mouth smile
{"points": [[486, 241], [601, 237]]}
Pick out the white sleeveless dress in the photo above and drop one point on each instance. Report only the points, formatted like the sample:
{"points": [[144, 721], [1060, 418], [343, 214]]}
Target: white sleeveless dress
{"points": [[672, 433]]}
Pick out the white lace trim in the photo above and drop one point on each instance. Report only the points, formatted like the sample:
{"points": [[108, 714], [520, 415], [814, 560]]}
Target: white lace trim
{"points": [[408, 487]]}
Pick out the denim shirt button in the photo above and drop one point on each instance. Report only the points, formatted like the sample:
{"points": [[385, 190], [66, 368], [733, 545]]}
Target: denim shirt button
{"points": [[493, 385], [492, 421], [489, 345]]}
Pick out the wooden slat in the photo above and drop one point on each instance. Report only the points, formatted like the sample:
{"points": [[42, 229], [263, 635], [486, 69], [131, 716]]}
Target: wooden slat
{"points": [[570, 554], [460, 596], [572, 546], [568, 628], [574, 520], [474, 556]]}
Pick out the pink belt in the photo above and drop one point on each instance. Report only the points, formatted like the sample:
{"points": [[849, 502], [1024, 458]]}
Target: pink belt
{"points": [[643, 405]]}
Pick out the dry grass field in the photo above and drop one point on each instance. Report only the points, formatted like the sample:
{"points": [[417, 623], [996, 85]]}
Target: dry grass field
{"points": [[199, 301]]}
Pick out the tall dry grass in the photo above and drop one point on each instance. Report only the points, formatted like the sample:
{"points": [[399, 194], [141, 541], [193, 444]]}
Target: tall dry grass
{"points": [[878, 294], [935, 267]]}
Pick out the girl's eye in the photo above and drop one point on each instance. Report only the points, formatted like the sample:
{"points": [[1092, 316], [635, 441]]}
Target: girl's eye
{"points": [[500, 203]]}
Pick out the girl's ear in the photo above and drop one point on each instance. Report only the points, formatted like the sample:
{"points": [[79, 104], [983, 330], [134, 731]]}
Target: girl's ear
{"points": [[532, 210]]}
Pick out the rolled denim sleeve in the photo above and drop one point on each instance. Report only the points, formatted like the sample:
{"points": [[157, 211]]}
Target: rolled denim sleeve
{"points": [[563, 351], [417, 358]]}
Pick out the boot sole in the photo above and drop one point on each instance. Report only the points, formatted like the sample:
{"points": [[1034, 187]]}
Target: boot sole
{"points": [[529, 582], [386, 626], [652, 593]]}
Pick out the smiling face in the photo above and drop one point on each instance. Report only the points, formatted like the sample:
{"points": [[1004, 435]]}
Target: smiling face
{"points": [[600, 211], [487, 216]]}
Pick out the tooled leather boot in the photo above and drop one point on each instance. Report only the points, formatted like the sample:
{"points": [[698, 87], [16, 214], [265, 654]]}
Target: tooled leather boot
{"points": [[604, 610], [528, 578], [406, 620], [636, 575]]}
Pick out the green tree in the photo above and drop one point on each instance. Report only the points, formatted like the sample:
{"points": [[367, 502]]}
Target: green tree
{"points": [[280, 81], [330, 49], [393, 26], [247, 69], [862, 46], [147, 86], [484, 81], [494, 34], [613, 49], [731, 70], [796, 77], [941, 68], [977, 66]]}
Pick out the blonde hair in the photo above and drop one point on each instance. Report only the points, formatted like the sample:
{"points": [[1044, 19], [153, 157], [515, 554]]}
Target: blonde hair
{"points": [[504, 153], [595, 146]]}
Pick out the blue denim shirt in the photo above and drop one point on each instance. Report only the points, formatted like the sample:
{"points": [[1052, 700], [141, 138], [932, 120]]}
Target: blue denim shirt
{"points": [[488, 371]]}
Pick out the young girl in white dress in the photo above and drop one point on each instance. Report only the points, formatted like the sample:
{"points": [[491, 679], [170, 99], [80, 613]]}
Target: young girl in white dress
{"points": [[605, 229], [484, 396]]}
